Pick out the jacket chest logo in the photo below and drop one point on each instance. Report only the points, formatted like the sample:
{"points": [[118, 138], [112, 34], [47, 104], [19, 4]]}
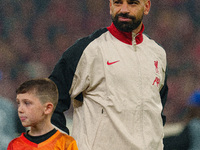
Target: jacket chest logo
{"points": [[156, 66], [157, 79], [113, 62]]}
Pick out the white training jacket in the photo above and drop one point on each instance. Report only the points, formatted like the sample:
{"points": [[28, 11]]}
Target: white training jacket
{"points": [[117, 82]]}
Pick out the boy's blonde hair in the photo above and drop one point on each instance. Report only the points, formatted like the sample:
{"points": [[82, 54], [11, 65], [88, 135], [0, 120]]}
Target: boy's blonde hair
{"points": [[43, 88]]}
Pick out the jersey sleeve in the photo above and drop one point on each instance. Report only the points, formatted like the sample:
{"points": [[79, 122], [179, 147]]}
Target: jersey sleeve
{"points": [[73, 146], [10, 146]]}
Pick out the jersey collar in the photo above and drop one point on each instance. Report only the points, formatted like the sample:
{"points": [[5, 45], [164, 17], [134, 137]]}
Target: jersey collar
{"points": [[126, 37]]}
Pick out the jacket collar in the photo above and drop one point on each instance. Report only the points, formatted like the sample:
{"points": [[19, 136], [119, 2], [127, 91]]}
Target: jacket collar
{"points": [[126, 37]]}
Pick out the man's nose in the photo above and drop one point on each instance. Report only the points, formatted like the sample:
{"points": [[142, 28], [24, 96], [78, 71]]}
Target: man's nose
{"points": [[124, 8]]}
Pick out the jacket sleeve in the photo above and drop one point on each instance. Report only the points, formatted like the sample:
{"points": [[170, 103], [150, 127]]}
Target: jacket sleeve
{"points": [[63, 75], [163, 95], [59, 76]]}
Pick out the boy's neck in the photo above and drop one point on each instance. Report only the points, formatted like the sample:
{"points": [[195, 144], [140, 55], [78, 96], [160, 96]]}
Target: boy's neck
{"points": [[40, 139], [40, 129]]}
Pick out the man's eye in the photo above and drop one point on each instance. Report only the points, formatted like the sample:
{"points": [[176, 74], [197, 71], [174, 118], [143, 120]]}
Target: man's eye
{"points": [[133, 2], [117, 2]]}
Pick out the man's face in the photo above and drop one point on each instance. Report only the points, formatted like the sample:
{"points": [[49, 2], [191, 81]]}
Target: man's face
{"points": [[127, 15]]}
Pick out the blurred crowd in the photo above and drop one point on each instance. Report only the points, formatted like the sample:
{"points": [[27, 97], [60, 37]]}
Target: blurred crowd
{"points": [[35, 33]]}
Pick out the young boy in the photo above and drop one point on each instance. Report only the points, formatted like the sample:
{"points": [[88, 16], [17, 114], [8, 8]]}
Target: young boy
{"points": [[37, 99]]}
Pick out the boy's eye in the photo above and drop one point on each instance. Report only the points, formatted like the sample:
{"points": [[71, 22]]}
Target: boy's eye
{"points": [[17, 102], [27, 103]]}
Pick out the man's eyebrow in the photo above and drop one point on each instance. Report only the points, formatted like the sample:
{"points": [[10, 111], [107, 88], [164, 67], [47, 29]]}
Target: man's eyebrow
{"points": [[134, 0]]}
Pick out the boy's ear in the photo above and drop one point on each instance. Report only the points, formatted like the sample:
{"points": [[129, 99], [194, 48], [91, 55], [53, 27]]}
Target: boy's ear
{"points": [[48, 108]]}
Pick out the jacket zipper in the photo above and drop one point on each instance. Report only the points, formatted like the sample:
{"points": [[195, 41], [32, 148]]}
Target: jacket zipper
{"points": [[139, 82]]}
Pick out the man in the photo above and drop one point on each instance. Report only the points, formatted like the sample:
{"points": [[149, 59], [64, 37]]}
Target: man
{"points": [[116, 78]]}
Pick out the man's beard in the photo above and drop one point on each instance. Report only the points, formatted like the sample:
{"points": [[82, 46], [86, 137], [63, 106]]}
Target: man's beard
{"points": [[126, 26]]}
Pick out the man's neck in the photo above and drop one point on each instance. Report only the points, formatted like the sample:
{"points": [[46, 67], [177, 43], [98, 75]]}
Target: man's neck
{"points": [[138, 29], [127, 37]]}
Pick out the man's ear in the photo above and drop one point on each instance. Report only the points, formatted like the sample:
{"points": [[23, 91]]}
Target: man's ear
{"points": [[147, 7], [48, 108], [110, 7]]}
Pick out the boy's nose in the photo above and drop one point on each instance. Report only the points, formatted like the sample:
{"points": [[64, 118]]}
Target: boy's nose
{"points": [[20, 109]]}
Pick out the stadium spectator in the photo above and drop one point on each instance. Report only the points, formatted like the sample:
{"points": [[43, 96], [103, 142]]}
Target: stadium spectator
{"points": [[189, 137], [9, 123]]}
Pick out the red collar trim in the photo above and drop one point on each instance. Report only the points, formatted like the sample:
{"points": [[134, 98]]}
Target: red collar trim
{"points": [[125, 37]]}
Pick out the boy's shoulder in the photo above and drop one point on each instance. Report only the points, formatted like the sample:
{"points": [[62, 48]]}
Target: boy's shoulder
{"points": [[17, 140], [65, 136], [58, 139], [67, 140]]}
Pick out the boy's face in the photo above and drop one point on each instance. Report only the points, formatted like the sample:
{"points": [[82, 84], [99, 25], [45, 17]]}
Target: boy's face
{"points": [[30, 109]]}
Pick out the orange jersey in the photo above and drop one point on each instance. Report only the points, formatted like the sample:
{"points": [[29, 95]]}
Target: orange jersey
{"points": [[58, 141]]}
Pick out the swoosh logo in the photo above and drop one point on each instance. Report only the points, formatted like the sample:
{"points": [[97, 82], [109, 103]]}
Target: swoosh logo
{"points": [[110, 63]]}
